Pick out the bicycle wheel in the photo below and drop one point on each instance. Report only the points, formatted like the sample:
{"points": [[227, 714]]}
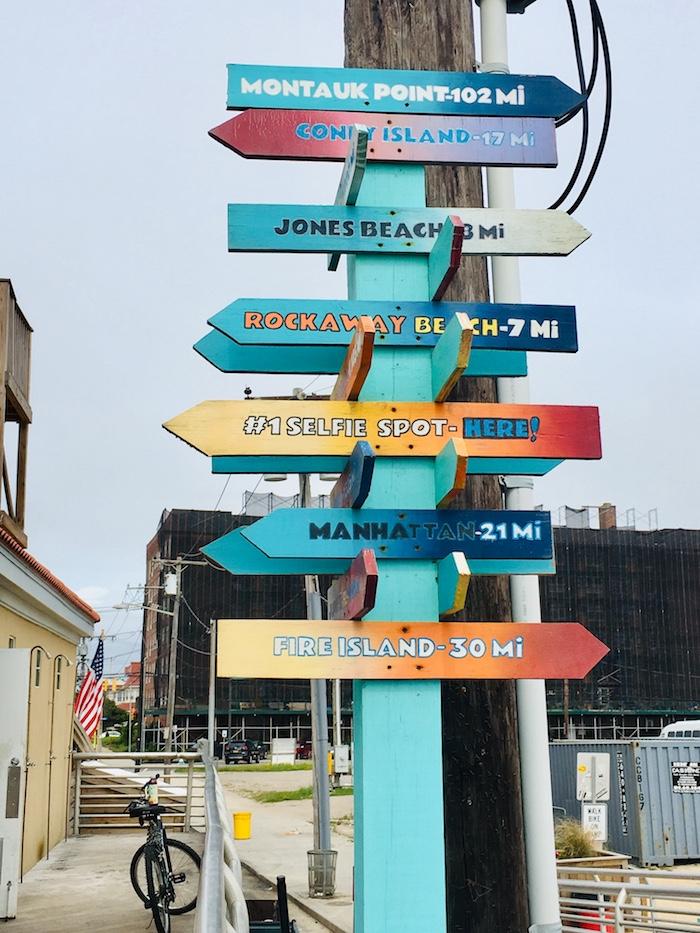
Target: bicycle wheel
{"points": [[184, 861], [157, 885]]}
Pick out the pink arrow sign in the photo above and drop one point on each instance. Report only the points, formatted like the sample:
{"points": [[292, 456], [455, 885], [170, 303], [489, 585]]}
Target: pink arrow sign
{"points": [[353, 595], [309, 134]]}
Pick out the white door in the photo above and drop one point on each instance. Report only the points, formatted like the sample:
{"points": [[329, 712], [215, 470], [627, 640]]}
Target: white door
{"points": [[14, 700]]}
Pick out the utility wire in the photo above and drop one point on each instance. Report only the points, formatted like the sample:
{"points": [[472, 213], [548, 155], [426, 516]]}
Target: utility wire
{"points": [[599, 41]]}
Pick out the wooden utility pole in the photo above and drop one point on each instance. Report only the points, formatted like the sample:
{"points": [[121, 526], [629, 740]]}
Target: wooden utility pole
{"points": [[485, 867]]}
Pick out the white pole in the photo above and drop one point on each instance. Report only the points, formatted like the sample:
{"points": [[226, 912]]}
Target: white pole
{"points": [[543, 895], [211, 706], [319, 709]]}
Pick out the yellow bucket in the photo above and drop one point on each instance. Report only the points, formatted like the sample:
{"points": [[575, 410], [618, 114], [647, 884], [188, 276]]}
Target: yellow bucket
{"points": [[241, 825]]}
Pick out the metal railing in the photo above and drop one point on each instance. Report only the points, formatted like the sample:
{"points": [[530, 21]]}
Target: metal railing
{"points": [[221, 906], [104, 783], [625, 900]]}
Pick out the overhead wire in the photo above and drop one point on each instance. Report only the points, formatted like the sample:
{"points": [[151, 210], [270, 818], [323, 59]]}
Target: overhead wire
{"points": [[599, 43]]}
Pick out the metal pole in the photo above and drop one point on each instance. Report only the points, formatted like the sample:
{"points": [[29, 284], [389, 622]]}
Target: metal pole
{"points": [[172, 663], [211, 709], [543, 895], [337, 713], [319, 709]]}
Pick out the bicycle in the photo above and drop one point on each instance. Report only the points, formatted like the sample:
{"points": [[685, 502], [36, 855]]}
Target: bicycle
{"points": [[164, 872]]}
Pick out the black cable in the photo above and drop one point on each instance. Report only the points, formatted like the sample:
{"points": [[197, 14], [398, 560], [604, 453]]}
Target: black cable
{"points": [[585, 124], [595, 45], [595, 11]]}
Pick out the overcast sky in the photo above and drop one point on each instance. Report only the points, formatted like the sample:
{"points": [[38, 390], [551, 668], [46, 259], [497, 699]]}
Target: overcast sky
{"points": [[113, 231]]}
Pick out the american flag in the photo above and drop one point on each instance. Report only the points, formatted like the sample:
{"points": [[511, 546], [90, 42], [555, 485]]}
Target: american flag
{"points": [[88, 703]]}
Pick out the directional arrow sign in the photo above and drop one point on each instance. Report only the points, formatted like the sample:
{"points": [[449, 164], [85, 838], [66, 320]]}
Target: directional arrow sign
{"points": [[278, 648], [353, 595], [397, 91], [306, 134], [311, 228], [328, 540], [398, 429], [232, 357], [323, 323]]}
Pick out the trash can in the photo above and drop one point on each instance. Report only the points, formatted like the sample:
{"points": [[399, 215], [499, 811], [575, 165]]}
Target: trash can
{"points": [[241, 825], [322, 872]]}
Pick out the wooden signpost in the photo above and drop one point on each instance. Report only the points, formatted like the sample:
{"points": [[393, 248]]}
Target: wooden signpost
{"points": [[307, 134], [311, 228], [403, 451], [400, 429], [352, 595], [405, 650], [398, 91]]}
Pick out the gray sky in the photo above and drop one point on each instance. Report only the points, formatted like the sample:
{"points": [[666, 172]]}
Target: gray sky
{"points": [[113, 230]]}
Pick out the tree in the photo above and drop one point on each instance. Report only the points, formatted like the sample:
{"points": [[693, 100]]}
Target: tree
{"points": [[112, 714]]}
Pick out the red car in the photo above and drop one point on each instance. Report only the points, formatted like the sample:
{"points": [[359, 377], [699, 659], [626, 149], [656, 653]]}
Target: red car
{"points": [[304, 750]]}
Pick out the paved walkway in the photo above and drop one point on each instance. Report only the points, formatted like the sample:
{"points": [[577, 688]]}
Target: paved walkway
{"points": [[282, 833], [84, 886]]}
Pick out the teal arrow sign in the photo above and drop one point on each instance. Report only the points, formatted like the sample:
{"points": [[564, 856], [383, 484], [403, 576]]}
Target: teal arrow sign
{"points": [[310, 228], [398, 91], [232, 357], [327, 540]]}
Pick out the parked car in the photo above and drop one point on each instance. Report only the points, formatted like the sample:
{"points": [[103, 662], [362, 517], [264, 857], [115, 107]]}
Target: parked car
{"points": [[304, 750], [241, 751]]}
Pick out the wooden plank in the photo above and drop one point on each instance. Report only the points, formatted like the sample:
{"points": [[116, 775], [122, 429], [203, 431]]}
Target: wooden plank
{"points": [[398, 91], [321, 323], [291, 228], [450, 356], [399, 429], [453, 583], [356, 365], [22, 445], [450, 472], [353, 595], [352, 487], [351, 179], [445, 257], [410, 650], [398, 534], [457, 140]]}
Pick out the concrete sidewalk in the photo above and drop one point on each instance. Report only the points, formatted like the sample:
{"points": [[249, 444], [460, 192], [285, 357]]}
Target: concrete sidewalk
{"points": [[282, 833]]}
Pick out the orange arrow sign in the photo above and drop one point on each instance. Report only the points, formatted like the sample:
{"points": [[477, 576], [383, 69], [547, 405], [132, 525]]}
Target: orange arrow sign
{"points": [[406, 650]]}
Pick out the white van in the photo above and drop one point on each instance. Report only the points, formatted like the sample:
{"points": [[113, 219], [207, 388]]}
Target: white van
{"points": [[685, 729]]}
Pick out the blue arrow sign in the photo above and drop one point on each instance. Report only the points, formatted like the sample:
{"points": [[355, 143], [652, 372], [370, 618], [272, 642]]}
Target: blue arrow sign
{"points": [[398, 91], [330, 228], [353, 484], [327, 540], [328, 323], [232, 357]]}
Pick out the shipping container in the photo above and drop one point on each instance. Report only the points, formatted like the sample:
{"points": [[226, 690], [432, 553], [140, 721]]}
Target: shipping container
{"points": [[653, 798]]}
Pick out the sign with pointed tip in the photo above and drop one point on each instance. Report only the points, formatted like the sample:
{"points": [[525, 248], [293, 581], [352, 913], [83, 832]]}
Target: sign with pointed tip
{"points": [[450, 472], [351, 179], [457, 140], [331, 323], [356, 364], [453, 583], [416, 534], [312, 228], [353, 485], [278, 648], [445, 257], [231, 357], [399, 429], [282, 87], [353, 595], [450, 357]]}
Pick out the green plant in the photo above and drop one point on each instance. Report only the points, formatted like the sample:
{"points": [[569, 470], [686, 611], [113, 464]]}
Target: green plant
{"points": [[300, 793], [572, 840]]}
